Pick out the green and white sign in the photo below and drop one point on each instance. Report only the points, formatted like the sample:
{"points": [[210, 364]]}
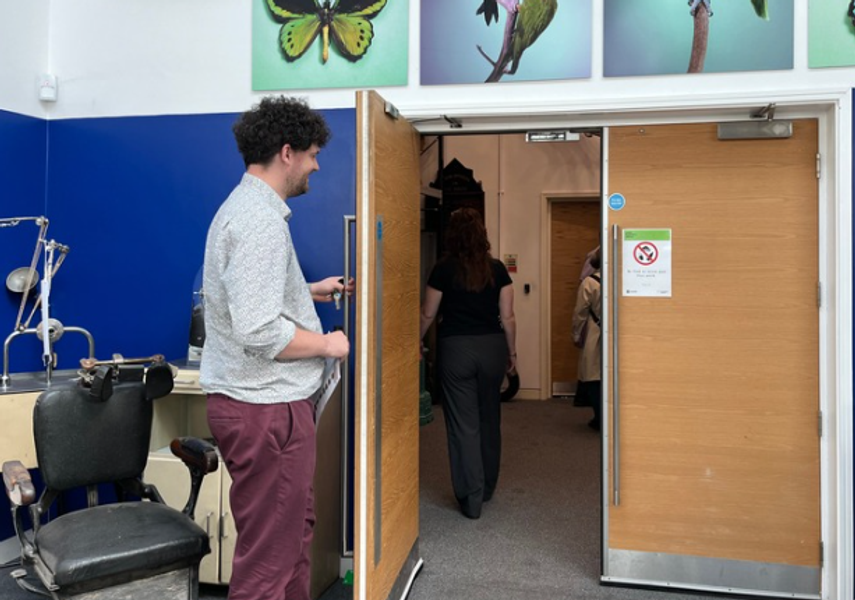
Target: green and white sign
{"points": [[647, 262]]}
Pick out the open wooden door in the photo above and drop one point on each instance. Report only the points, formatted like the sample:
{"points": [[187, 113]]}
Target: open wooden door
{"points": [[712, 449], [574, 230], [386, 527]]}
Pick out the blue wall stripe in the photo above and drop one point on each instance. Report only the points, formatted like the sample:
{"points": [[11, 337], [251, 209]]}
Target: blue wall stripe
{"points": [[132, 197]]}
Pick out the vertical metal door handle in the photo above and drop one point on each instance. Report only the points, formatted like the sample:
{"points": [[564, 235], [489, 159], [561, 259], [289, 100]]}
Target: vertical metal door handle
{"points": [[349, 221], [615, 376]]}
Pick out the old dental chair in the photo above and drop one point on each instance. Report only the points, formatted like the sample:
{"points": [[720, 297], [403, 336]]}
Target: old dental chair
{"points": [[136, 548]]}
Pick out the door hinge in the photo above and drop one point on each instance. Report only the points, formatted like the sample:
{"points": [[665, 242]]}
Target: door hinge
{"points": [[819, 423], [819, 294], [818, 165]]}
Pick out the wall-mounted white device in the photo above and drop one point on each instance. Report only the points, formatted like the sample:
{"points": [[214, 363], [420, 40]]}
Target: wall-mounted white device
{"points": [[48, 87]]}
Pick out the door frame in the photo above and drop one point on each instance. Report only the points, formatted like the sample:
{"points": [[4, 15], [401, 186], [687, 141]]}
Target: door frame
{"points": [[832, 107], [547, 199]]}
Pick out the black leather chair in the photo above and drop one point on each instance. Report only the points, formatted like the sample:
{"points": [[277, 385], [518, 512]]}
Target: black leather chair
{"points": [[135, 548]]}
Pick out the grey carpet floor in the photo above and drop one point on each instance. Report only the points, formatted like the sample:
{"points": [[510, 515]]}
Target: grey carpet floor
{"points": [[539, 537]]}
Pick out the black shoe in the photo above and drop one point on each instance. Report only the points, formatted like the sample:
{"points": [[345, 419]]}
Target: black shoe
{"points": [[468, 511], [470, 514]]}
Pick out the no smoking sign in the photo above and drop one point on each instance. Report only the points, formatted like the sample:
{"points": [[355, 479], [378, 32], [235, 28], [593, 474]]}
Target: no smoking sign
{"points": [[646, 263], [645, 253]]}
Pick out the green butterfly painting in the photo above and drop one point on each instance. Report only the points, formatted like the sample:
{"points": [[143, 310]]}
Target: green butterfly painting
{"points": [[349, 22]]}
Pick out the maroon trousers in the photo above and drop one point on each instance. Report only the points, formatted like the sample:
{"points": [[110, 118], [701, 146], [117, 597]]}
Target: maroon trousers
{"points": [[269, 450]]}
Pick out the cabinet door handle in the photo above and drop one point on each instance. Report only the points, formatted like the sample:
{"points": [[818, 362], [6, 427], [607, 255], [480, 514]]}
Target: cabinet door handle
{"points": [[208, 523], [223, 518]]}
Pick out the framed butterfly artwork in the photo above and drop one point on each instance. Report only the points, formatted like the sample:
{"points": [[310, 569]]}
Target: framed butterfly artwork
{"points": [[305, 44]]}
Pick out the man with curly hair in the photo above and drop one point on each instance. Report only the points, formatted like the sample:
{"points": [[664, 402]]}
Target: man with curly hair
{"points": [[265, 350]]}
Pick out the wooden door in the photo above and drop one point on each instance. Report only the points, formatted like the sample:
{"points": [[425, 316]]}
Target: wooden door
{"points": [[574, 231], [387, 352], [712, 470]]}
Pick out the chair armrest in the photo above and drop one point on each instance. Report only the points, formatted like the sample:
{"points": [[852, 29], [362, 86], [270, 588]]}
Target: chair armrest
{"points": [[196, 453], [19, 483], [201, 458], [21, 492]]}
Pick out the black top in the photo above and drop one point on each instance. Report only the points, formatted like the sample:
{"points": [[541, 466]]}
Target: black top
{"points": [[468, 313]]}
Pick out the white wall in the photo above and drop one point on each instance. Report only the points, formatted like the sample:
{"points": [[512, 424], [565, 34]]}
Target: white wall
{"points": [[144, 57], [23, 54]]}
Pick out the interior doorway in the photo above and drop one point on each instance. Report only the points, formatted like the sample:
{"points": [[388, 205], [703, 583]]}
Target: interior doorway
{"points": [[820, 207], [574, 225], [542, 206], [518, 178]]}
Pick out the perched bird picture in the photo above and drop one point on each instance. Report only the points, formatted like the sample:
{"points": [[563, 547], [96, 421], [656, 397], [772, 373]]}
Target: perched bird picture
{"points": [[669, 37], [485, 41], [346, 22], [526, 20]]}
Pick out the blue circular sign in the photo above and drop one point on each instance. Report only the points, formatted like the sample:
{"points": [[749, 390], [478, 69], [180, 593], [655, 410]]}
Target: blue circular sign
{"points": [[617, 201]]}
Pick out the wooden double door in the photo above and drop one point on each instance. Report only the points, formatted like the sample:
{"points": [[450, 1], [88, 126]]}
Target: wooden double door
{"points": [[711, 470]]}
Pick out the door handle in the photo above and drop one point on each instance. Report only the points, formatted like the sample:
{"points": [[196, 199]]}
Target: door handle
{"points": [[615, 375], [349, 222], [224, 533], [208, 523]]}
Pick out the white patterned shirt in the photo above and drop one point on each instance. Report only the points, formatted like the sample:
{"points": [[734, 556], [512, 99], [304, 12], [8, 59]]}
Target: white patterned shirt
{"points": [[255, 298]]}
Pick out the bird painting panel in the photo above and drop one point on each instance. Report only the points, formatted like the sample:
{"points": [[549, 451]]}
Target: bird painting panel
{"points": [[489, 41], [663, 37]]}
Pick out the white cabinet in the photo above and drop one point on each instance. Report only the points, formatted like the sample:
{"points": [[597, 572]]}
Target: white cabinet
{"points": [[170, 476], [183, 413]]}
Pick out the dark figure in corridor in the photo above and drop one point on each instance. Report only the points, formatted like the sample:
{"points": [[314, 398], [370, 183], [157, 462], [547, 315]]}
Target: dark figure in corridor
{"points": [[473, 295], [586, 335]]}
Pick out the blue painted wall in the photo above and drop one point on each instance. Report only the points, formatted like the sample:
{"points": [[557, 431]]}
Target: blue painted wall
{"points": [[23, 159], [132, 198]]}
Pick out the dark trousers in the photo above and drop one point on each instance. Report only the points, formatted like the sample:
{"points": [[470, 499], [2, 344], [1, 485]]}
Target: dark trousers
{"points": [[589, 393], [471, 371], [269, 450]]}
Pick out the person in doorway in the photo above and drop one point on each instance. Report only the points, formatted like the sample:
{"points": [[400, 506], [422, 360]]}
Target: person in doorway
{"points": [[586, 334], [587, 267], [264, 350], [472, 295]]}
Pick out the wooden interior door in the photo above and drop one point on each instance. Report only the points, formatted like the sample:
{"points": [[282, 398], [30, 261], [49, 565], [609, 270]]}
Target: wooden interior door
{"points": [[387, 352], [574, 230], [712, 469]]}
